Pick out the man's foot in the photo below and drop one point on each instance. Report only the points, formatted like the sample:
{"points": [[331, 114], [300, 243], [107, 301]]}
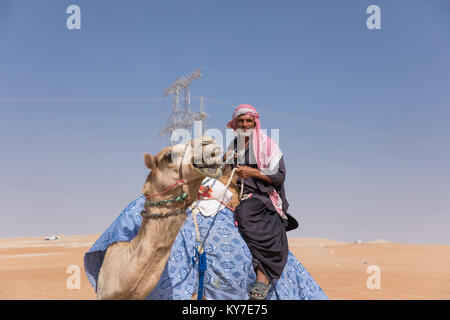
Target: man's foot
{"points": [[259, 291]]}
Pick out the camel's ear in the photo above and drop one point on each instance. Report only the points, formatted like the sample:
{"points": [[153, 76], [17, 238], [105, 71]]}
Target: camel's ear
{"points": [[150, 161]]}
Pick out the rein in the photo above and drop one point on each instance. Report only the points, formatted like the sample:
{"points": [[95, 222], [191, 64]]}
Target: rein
{"points": [[158, 194]]}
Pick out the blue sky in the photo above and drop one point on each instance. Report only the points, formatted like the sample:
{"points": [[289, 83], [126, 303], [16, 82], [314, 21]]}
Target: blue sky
{"points": [[363, 114]]}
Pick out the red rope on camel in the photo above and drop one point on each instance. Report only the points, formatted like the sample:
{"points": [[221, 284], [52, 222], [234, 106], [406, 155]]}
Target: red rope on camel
{"points": [[176, 183]]}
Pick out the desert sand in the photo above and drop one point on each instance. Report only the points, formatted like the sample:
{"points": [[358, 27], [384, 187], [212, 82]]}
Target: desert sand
{"points": [[33, 268]]}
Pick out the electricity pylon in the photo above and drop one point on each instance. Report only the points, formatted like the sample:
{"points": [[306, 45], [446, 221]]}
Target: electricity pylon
{"points": [[181, 115]]}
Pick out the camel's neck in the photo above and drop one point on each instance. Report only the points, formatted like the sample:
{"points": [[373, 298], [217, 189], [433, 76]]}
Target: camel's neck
{"points": [[150, 249]]}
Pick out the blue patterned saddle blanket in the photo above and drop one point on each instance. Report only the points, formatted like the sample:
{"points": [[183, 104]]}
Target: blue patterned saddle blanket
{"points": [[229, 273]]}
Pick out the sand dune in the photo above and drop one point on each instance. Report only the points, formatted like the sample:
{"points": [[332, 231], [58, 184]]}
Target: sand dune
{"points": [[33, 268]]}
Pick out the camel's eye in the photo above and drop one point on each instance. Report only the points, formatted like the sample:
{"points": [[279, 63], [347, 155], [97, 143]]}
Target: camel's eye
{"points": [[171, 156], [167, 156]]}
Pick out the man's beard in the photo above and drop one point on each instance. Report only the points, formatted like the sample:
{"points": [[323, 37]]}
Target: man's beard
{"points": [[240, 132]]}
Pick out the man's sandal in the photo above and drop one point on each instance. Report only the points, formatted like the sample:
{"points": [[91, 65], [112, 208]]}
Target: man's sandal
{"points": [[259, 291]]}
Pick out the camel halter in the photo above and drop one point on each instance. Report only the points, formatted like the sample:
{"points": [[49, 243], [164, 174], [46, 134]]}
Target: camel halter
{"points": [[180, 198]]}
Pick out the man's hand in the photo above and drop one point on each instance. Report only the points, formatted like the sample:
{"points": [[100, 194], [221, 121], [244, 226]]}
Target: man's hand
{"points": [[247, 172]]}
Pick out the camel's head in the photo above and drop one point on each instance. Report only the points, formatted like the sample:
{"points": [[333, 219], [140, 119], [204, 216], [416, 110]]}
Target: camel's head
{"points": [[200, 158]]}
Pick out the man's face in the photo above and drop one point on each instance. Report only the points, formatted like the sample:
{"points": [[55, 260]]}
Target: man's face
{"points": [[245, 122]]}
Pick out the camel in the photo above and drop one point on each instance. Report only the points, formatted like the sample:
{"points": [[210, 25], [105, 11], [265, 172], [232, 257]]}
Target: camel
{"points": [[131, 270]]}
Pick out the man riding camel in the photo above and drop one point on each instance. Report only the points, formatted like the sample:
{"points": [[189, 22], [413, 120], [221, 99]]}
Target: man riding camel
{"points": [[241, 262], [261, 216]]}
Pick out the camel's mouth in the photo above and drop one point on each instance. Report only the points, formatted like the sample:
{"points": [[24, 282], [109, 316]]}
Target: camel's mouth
{"points": [[209, 156], [209, 170]]}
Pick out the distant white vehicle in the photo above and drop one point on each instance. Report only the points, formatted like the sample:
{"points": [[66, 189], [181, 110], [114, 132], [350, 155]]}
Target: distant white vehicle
{"points": [[52, 237]]}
